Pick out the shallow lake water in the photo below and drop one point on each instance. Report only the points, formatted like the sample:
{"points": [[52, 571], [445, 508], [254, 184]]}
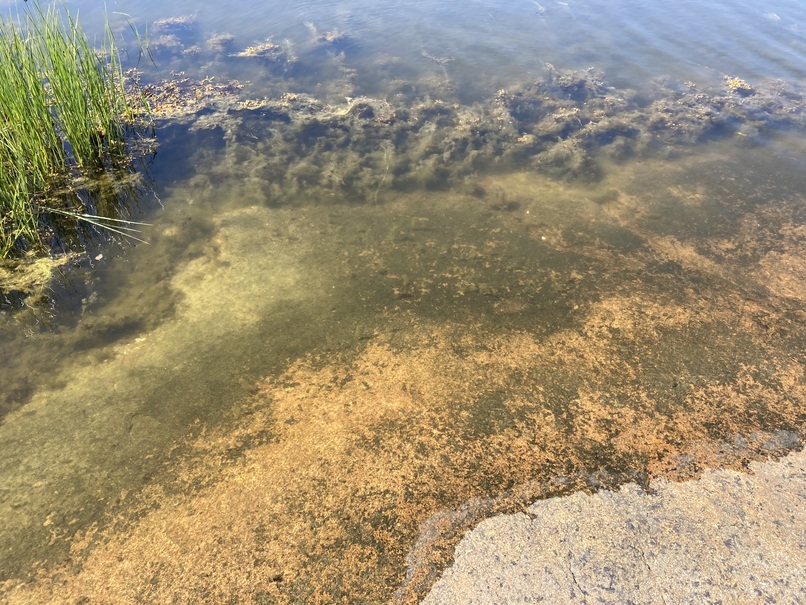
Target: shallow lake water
{"points": [[408, 267]]}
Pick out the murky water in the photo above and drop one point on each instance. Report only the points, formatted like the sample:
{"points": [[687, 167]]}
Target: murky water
{"points": [[408, 276]]}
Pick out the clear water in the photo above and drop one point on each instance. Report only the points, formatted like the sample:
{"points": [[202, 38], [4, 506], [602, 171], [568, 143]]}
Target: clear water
{"points": [[686, 267], [492, 44]]}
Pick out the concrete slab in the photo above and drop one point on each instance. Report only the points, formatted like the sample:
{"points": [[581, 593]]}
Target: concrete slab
{"points": [[727, 537]]}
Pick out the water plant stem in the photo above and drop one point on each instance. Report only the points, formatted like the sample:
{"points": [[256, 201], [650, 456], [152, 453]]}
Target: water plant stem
{"points": [[64, 111]]}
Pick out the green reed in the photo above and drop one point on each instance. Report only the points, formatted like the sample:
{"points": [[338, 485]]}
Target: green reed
{"points": [[64, 111]]}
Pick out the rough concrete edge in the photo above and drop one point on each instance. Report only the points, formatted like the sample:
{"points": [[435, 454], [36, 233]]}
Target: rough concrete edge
{"points": [[447, 527]]}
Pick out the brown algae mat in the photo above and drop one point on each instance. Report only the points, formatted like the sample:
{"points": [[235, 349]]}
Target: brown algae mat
{"points": [[727, 537], [580, 340]]}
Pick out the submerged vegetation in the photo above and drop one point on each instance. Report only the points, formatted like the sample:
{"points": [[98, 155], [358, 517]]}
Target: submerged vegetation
{"points": [[65, 112], [375, 314], [567, 124]]}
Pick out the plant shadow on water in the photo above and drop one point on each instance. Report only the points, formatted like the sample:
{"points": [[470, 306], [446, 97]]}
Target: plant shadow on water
{"points": [[360, 328]]}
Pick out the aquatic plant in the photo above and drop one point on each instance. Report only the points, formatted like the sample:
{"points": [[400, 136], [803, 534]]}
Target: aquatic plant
{"points": [[738, 86], [64, 111]]}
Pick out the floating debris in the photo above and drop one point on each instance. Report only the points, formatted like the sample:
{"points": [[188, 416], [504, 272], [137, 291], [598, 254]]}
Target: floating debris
{"points": [[27, 280], [168, 42], [174, 25], [221, 42], [181, 95], [333, 39], [264, 50], [738, 86]]}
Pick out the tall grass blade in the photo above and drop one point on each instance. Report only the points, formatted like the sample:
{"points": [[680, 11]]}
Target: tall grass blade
{"points": [[64, 111]]}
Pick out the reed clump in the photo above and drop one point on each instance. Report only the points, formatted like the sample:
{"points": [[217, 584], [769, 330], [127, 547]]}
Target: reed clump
{"points": [[65, 112]]}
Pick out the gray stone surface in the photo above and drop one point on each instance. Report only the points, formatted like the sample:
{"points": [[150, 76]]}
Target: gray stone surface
{"points": [[726, 538]]}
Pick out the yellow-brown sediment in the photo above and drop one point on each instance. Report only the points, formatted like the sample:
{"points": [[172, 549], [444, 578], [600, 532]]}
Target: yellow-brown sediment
{"points": [[343, 459]]}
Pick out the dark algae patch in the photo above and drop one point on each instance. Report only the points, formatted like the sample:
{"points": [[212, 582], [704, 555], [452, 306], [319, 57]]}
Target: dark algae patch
{"points": [[424, 312], [563, 125]]}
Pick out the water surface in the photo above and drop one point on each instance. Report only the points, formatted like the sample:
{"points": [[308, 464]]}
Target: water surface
{"points": [[429, 263]]}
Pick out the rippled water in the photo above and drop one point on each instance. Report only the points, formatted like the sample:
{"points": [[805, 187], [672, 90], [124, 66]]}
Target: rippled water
{"points": [[453, 269], [632, 39]]}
